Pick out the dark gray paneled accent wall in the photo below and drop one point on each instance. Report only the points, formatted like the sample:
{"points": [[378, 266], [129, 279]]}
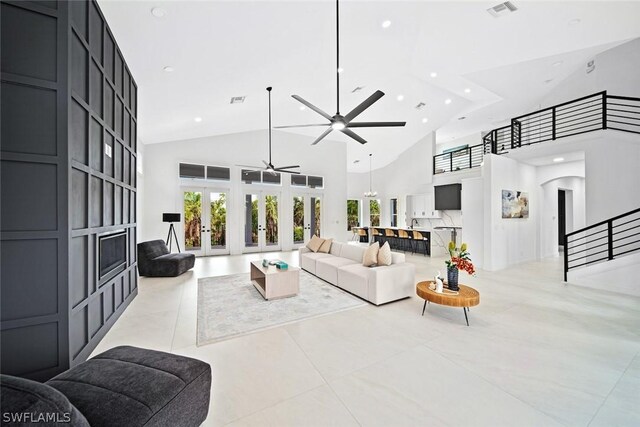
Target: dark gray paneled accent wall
{"points": [[68, 171]]}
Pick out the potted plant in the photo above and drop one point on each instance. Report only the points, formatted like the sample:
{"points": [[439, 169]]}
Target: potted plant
{"points": [[459, 260]]}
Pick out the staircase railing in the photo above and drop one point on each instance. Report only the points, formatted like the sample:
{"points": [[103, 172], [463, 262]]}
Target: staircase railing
{"points": [[587, 114], [603, 241]]}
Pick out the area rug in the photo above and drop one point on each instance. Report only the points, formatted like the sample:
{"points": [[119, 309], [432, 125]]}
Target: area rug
{"points": [[230, 306]]}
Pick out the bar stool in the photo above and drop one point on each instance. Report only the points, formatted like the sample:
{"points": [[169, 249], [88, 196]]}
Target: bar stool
{"points": [[391, 237], [375, 235], [405, 240], [418, 239], [362, 235]]}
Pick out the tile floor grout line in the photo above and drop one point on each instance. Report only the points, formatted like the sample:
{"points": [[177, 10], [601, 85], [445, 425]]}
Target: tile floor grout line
{"points": [[323, 378], [486, 380], [633, 359], [175, 326]]}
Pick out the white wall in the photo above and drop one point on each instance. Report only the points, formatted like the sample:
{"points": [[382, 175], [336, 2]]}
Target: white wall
{"points": [[140, 181], [162, 185], [473, 218], [612, 174], [514, 240], [470, 140], [619, 275]]}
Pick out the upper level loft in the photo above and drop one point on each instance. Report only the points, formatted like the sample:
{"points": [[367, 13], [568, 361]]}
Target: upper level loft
{"points": [[587, 114]]}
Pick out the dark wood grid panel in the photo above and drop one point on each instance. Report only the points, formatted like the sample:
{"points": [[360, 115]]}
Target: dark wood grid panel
{"points": [[98, 90], [34, 180]]}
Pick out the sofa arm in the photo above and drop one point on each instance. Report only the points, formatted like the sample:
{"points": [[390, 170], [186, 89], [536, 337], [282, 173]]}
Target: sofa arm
{"points": [[390, 283]]}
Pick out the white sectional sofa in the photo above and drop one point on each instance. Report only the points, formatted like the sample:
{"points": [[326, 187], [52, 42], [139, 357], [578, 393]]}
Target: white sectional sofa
{"points": [[342, 267]]}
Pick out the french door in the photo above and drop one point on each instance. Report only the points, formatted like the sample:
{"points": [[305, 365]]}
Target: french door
{"points": [[205, 212], [261, 221], [307, 217]]}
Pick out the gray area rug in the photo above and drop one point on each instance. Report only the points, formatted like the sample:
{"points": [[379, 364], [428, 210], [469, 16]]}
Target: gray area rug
{"points": [[229, 306]]}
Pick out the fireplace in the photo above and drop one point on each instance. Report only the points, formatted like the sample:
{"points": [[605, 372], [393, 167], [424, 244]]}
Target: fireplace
{"points": [[112, 254]]}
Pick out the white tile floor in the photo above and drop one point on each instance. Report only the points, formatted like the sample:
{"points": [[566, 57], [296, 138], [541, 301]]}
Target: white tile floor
{"points": [[538, 352]]}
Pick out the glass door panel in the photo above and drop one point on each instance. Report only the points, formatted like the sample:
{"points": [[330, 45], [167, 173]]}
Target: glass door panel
{"points": [[298, 220], [251, 242], [217, 229], [316, 216], [192, 217], [271, 220]]}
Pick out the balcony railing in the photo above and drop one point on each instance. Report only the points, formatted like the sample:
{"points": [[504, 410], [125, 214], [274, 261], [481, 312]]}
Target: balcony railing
{"points": [[604, 241], [587, 114], [464, 158]]}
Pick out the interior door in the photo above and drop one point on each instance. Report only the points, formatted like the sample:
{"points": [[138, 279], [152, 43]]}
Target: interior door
{"points": [[261, 221]]}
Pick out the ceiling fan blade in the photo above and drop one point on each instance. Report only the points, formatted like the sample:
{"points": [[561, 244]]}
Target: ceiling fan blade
{"points": [[364, 105], [300, 126], [266, 164], [287, 171], [375, 124], [321, 137], [313, 107], [272, 172], [353, 135], [251, 167], [288, 167]]}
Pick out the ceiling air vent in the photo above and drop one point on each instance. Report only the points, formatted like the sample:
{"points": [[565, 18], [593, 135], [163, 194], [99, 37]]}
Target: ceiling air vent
{"points": [[357, 89], [420, 106], [237, 99], [502, 9]]}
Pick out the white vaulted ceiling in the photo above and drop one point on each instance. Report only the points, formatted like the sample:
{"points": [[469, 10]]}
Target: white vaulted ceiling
{"points": [[237, 48]]}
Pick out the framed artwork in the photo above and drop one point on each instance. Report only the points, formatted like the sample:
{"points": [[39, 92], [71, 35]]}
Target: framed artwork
{"points": [[515, 204]]}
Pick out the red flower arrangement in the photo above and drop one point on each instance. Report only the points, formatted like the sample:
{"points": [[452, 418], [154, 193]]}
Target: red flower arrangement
{"points": [[460, 259]]}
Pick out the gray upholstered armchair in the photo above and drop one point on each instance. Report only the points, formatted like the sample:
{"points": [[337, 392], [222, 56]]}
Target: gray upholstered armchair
{"points": [[155, 260]]}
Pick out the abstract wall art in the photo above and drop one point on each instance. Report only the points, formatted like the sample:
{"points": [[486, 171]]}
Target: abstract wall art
{"points": [[515, 204]]}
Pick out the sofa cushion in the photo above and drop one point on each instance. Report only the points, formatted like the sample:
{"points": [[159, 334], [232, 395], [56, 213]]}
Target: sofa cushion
{"points": [[170, 265], [308, 260], [133, 387], [336, 248], [397, 258], [327, 268], [326, 246], [384, 254], [21, 398], [353, 252], [315, 243], [354, 278], [370, 256]]}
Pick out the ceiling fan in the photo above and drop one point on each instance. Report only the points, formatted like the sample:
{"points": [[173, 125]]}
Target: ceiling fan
{"points": [[268, 165], [339, 122]]}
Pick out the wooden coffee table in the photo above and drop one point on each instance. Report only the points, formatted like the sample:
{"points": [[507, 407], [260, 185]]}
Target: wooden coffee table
{"points": [[273, 283], [466, 297]]}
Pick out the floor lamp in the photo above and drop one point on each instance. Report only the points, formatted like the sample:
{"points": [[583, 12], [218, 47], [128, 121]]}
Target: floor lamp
{"points": [[171, 218]]}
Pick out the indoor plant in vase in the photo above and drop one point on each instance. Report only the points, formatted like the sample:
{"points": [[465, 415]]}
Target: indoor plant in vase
{"points": [[459, 261]]}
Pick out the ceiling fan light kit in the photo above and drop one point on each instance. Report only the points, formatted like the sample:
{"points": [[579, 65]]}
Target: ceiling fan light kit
{"points": [[339, 122]]}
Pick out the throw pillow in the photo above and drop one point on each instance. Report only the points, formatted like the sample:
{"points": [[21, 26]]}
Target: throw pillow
{"points": [[370, 257], [384, 254], [326, 246], [315, 243]]}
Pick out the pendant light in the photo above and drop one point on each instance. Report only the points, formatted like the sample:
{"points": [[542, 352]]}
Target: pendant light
{"points": [[370, 193]]}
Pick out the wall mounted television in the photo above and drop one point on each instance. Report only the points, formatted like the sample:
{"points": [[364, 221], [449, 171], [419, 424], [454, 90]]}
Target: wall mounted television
{"points": [[448, 197]]}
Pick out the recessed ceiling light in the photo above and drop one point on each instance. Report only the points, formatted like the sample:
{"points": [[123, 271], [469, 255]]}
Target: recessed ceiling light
{"points": [[400, 97], [302, 108], [557, 64], [574, 21], [433, 74], [425, 120], [386, 24], [447, 101], [158, 12], [168, 69], [467, 90], [340, 70], [558, 159], [197, 119]]}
